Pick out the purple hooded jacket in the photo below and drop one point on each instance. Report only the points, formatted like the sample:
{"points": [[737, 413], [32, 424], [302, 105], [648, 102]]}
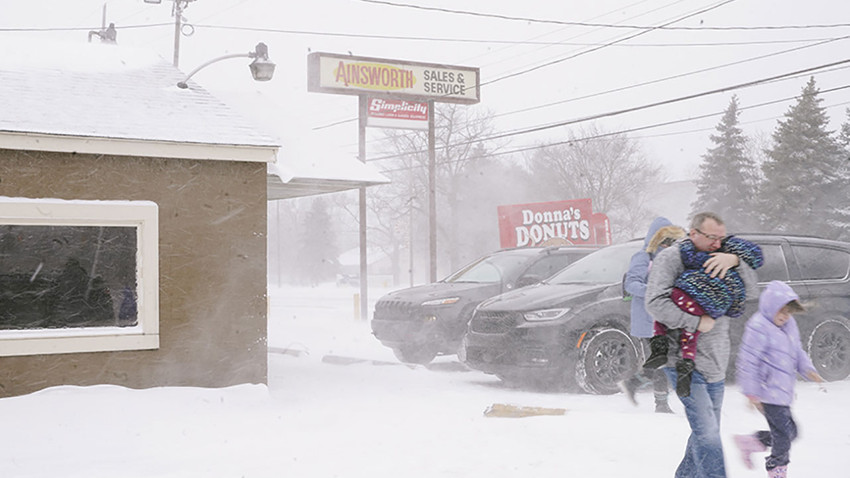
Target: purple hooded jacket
{"points": [[770, 357]]}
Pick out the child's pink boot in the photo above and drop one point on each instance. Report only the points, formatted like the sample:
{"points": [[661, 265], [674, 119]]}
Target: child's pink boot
{"points": [[778, 472], [747, 445]]}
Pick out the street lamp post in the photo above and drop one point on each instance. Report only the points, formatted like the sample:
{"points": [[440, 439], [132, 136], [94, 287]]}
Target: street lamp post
{"points": [[262, 69]]}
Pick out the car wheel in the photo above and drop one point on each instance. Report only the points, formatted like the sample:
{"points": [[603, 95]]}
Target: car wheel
{"points": [[415, 353], [606, 357], [829, 348]]}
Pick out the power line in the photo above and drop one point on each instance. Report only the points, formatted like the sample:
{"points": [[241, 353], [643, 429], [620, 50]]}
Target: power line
{"points": [[604, 25], [826, 70], [636, 108], [630, 130], [605, 45], [562, 59], [676, 100], [680, 75], [493, 40], [422, 38], [76, 29], [646, 83]]}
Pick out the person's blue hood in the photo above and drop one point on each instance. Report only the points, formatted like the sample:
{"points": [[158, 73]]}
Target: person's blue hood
{"points": [[774, 297], [657, 224]]}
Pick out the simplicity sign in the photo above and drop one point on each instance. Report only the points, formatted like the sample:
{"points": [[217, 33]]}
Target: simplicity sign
{"points": [[353, 75]]}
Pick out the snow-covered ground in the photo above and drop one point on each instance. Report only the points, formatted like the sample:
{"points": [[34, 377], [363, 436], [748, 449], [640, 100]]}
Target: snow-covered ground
{"points": [[338, 404]]}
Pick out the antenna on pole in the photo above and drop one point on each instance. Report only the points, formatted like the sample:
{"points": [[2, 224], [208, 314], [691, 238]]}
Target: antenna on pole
{"points": [[177, 11]]}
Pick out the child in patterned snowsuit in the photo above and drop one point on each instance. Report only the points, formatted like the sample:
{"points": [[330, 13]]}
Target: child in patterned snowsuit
{"points": [[697, 293]]}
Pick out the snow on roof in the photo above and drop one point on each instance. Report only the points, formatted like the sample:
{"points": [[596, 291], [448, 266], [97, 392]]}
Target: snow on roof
{"points": [[96, 90]]}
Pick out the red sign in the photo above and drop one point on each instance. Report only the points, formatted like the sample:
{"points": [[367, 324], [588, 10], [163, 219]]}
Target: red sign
{"points": [[398, 109], [558, 222], [391, 113]]}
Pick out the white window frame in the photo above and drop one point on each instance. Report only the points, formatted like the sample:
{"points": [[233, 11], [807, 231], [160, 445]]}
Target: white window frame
{"points": [[142, 215]]}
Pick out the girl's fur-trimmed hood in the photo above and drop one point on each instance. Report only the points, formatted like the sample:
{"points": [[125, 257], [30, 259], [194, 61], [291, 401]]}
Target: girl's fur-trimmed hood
{"points": [[667, 232]]}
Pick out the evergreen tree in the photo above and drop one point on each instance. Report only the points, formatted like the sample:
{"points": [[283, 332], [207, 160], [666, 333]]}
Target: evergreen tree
{"points": [[844, 171], [805, 174], [727, 183], [844, 135], [319, 256]]}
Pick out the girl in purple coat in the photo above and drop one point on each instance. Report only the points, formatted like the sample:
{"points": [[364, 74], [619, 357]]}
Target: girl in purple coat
{"points": [[769, 360]]}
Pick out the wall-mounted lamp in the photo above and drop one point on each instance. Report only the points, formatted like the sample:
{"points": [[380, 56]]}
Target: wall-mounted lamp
{"points": [[262, 69]]}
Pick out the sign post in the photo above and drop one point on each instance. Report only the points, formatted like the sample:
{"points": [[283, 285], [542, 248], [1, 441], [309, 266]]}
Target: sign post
{"points": [[390, 82]]}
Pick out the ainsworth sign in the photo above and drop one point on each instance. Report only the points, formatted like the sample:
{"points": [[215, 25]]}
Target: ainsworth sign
{"points": [[552, 223], [353, 75]]}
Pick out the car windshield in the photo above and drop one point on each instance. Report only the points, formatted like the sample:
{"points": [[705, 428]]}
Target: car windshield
{"points": [[606, 265], [489, 268]]}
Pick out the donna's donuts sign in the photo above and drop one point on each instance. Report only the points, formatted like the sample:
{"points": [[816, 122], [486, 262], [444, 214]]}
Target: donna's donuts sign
{"points": [[552, 223]]}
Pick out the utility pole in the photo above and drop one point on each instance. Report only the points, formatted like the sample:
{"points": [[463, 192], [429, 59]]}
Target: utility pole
{"points": [[177, 12], [432, 195]]}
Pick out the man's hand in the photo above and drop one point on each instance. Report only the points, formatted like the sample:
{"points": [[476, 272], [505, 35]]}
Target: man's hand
{"points": [[719, 263], [706, 323]]}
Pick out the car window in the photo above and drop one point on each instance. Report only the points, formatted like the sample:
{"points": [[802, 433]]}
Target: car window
{"points": [[547, 266], [774, 267], [490, 268], [606, 265], [821, 263]]}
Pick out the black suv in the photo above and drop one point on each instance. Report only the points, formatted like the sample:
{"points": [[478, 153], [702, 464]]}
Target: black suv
{"points": [[421, 322], [573, 328]]}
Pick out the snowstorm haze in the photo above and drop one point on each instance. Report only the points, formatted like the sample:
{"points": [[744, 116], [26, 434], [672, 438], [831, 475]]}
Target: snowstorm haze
{"points": [[571, 96]]}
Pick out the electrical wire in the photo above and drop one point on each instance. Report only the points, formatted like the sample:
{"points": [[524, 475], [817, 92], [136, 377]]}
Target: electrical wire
{"points": [[488, 41], [628, 87], [603, 25], [605, 45], [597, 48], [629, 130], [77, 29], [634, 108]]}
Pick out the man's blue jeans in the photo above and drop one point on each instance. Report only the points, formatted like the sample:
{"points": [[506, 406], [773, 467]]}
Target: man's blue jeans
{"points": [[704, 452]]}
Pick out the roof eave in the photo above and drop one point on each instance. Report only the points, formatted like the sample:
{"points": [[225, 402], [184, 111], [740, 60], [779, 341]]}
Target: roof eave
{"points": [[137, 147]]}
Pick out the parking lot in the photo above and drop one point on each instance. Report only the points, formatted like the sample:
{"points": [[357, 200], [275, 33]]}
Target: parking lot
{"points": [[362, 413]]}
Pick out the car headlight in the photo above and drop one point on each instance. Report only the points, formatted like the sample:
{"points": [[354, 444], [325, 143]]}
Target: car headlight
{"points": [[546, 314], [446, 301]]}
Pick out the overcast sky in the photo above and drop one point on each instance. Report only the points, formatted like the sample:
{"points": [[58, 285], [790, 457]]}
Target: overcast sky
{"points": [[538, 65]]}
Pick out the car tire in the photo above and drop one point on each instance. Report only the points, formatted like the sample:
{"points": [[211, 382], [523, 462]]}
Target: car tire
{"points": [[829, 349], [606, 357], [421, 354]]}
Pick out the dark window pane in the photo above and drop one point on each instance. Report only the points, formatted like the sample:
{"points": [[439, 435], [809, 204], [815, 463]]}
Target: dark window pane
{"points": [[774, 267], [67, 276], [819, 263], [547, 266]]}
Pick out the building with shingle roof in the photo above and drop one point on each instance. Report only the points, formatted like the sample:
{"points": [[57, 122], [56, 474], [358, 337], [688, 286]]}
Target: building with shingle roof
{"points": [[132, 223]]}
